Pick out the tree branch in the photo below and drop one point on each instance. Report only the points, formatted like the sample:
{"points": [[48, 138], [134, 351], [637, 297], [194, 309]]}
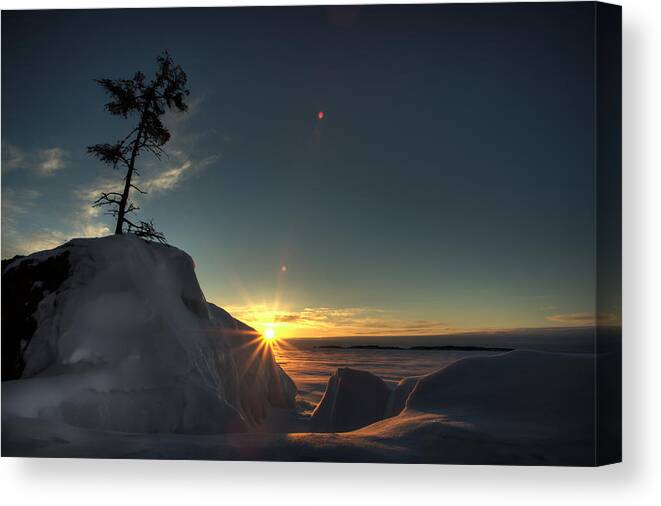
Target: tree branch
{"points": [[137, 189]]}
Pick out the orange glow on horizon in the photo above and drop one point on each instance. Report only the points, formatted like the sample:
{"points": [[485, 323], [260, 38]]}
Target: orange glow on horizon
{"points": [[276, 323]]}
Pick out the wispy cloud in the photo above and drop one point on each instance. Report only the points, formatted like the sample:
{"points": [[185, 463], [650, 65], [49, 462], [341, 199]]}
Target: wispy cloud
{"points": [[179, 167], [182, 160], [17, 202], [23, 244], [51, 160], [582, 318], [16, 242], [337, 321], [19, 239], [12, 157], [44, 162]]}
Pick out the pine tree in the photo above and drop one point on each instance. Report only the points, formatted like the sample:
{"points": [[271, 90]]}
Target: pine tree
{"points": [[147, 101]]}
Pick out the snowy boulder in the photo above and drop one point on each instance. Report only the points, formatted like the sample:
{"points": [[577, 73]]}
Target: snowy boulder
{"points": [[115, 333], [352, 399]]}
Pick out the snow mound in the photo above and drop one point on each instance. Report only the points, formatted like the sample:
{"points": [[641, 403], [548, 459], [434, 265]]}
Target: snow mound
{"points": [[521, 393], [353, 399], [114, 333], [520, 407]]}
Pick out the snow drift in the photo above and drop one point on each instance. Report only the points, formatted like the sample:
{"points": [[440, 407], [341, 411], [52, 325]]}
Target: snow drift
{"points": [[522, 393], [537, 394], [520, 407], [114, 333]]}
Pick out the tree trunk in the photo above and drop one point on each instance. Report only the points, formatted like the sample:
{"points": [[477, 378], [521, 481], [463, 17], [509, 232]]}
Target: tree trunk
{"points": [[127, 180]]}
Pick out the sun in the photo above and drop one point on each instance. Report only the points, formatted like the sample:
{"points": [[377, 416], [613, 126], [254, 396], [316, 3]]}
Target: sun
{"points": [[269, 334]]}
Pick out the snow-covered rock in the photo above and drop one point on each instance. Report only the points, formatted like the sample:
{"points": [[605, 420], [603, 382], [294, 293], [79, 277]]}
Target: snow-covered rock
{"points": [[353, 399], [115, 333]]}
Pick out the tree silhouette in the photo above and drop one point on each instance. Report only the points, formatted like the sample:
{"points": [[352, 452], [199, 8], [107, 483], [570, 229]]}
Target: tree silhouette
{"points": [[148, 100]]}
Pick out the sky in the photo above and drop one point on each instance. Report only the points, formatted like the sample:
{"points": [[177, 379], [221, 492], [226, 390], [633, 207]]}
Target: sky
{"points": [[449, 185]]}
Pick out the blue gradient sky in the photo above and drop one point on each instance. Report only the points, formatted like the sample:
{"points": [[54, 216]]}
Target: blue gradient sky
{"points": [[449, 186]]}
